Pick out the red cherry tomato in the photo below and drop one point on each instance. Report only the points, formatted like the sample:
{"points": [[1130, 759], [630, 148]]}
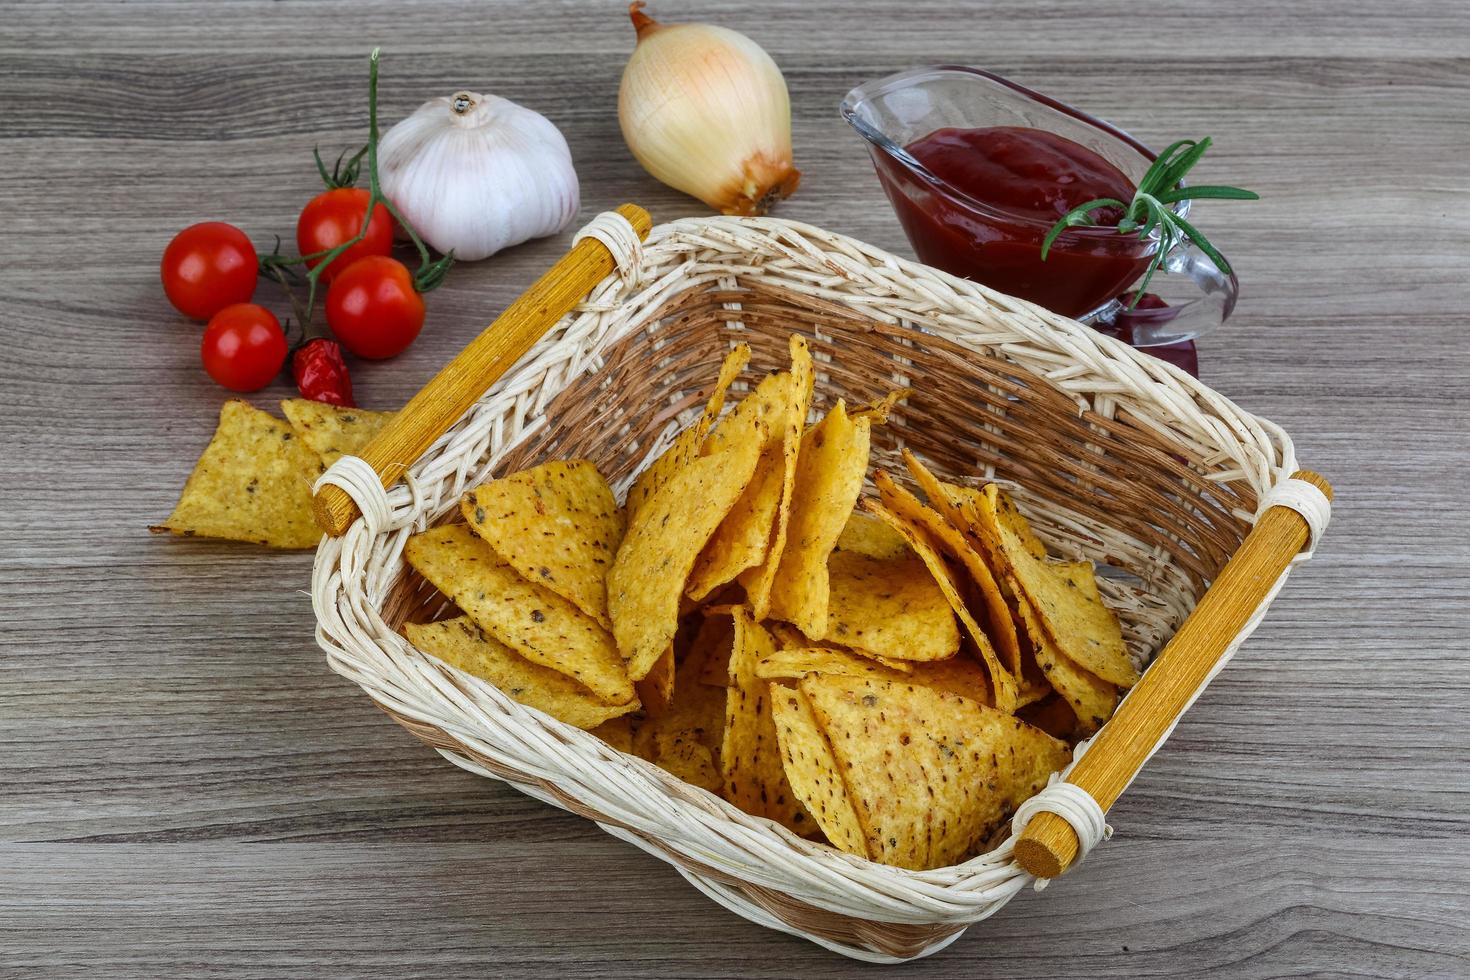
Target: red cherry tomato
{"points": [[373, 308], [334, 217], [207, 267], [244, 347]]}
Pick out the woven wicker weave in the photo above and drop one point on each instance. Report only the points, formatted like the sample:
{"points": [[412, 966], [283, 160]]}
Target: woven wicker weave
{"points": [[1114, 456]]}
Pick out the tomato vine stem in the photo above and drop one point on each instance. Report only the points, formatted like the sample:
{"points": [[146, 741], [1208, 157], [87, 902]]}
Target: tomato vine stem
{"points": [[430, 272]]}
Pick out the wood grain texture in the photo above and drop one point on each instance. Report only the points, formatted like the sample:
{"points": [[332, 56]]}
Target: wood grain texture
{"points": [[186, 790]]}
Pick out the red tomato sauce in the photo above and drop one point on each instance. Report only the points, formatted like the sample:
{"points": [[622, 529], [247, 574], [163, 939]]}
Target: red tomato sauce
{"points": [[1018, 182]]}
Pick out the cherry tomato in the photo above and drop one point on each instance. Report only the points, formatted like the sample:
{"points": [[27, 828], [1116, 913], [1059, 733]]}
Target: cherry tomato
{"points": [[334, 217], [373, 308], [207, 267], [244, 347]]}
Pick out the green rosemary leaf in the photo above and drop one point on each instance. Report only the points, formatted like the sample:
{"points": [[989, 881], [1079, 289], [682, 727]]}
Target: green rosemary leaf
{"points": [[1073, 218], [1220, 191], [1203, 244], [1155, 214], [1176, 170], [1147, 184]]}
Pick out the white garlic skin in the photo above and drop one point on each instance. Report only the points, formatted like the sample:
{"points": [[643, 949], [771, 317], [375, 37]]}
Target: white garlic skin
{"points": [[477, 173]]}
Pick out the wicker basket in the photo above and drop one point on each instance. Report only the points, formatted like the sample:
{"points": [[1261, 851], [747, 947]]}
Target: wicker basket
{"points": [[1113, 455]]}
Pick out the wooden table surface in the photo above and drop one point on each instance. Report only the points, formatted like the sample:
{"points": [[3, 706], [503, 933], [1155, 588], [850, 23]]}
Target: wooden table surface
{"points": [[187, 790]]}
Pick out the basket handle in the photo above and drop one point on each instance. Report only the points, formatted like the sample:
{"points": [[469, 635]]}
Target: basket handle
{"points": [[1049, 844], [461, 382]]}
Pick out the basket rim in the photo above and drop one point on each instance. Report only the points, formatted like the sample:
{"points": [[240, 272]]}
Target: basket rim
{"points": [[348, 589]]}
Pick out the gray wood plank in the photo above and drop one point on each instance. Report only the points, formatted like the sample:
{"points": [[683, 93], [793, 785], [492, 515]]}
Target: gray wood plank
{"points": [[457, 909], [185, 789]]}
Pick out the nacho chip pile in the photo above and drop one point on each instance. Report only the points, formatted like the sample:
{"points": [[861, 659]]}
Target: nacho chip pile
{"points": [[893, 675], [253, 482]]}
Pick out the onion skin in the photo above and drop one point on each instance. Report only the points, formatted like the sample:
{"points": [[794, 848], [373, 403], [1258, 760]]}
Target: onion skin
{"points": [[705, 110]]}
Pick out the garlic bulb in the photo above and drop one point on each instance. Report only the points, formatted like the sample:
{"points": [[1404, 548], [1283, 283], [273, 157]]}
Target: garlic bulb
{"points": [[705, 110], [478, 173]]}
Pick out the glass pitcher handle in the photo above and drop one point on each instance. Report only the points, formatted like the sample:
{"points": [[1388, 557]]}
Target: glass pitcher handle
{"points": [[1216, 291]]}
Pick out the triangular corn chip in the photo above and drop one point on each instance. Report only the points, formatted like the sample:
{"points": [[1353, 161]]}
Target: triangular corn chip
{"points": [[685, 738], [946, 522], [759, 580], [460, 643], [1065, 596], [750, 756], [878, 411], [1053, 715], [829, 475], [687, 444], [664, 537], [744, 536], [796, 663], [865, 534], [957, 675], [557, 524], [252, 483], [534, 622], [711, 648], [890, 608], [929, 773], [1002, 683], [811, 770], [331, 430], [788, 637], [656, 688], [1092, 699], [617, 732]]}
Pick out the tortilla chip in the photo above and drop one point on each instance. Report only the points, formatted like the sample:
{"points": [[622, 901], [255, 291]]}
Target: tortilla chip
{"points": [[684, 756], [892, 608], [461, 644], [687, 444], [929, 773], [744, 536], [788, 637], [796, 663], [534, 622], [1053, 715], [557, 524], [656, 689], [252, 483], [865, 534], [617, 732], [332, 431], [685, 738], [1002, 684], [711, 649], [664, 537], [811, 770], [750, 755], [741, 540], [1091, 699], [878, 411], [1064, 595], [945, 521], [829, 475], [758, 580], [958, 675]]}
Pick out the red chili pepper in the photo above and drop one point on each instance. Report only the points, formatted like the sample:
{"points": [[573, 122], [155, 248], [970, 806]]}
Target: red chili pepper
{"points": [[321, 374]]}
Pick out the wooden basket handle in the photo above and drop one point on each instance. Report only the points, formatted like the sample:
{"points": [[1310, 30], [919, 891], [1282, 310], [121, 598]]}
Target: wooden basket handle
{"points": [[461, 382], [1048, 844]]}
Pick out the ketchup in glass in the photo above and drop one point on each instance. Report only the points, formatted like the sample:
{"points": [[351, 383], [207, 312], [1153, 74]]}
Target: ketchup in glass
{"points": [[1003, 189]]}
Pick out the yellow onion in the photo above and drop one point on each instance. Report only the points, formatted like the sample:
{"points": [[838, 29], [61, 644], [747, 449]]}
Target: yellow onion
{"points": [[705, 110]]}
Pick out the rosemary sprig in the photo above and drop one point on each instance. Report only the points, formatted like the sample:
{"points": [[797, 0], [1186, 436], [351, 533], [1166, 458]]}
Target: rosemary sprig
{"points": [[1149, 209]]}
